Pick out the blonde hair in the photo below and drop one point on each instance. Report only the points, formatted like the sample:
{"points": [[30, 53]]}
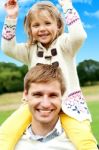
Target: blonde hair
{"points": [[44, 73], [53, 11]]}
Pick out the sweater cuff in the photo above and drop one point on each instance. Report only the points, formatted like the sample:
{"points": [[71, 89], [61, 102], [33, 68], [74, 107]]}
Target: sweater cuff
{"points": [[9, 29], [10, 21], [74, 105]]}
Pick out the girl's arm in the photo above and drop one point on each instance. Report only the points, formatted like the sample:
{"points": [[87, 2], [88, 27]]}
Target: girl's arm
{"points": [[76, 35], [76, 117], [9, 45]]}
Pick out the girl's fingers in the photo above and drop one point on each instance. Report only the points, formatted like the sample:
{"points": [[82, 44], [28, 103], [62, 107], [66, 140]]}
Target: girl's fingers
{"points": [[12, 2]]}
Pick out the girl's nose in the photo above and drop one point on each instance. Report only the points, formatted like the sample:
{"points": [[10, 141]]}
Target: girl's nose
{"points": [[42, 27]]}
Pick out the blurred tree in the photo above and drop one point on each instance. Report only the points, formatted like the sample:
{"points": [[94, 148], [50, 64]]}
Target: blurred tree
{"points": [[11, 77], [88, 72]]}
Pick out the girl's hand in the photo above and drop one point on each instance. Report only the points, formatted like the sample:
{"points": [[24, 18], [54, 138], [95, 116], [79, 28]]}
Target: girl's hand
{"points": [[12, 2], [11, 7], [63, 2]]}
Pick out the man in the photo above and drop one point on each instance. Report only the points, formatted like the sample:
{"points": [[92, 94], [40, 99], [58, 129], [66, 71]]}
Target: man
{"points": [[43, 89]]}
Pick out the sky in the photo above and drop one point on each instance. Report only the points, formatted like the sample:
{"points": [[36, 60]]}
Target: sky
{"points": [[89, 14]]}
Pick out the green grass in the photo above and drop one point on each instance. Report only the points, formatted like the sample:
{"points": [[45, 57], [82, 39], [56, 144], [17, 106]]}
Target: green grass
{"points": [[91, 90], [4, 115], [94, 109], [10, 98]]}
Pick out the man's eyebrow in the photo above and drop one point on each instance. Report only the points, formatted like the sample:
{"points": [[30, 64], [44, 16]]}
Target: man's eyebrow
{"points": [[54, 93], [36, 92]]}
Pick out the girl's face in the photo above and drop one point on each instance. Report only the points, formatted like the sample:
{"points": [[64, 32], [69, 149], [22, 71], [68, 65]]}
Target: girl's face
{"points": [[44, 28]]}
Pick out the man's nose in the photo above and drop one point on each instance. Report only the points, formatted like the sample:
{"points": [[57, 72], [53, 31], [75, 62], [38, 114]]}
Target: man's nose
{"points": [[46, 102]]}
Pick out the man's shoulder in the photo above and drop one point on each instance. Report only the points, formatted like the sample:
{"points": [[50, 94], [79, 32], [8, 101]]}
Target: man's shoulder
{"points": [[59, 142]]}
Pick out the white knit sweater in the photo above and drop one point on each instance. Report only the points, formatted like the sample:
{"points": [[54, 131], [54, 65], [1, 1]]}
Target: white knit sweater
{"points": [[66, 45], [55, 140], [58, 143]]}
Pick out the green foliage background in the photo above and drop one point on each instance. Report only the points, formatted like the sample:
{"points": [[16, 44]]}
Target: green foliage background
{"points": [[11, 76], [88, 72]]}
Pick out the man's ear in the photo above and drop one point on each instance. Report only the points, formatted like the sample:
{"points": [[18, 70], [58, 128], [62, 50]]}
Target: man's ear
{"points": [[25, 96]]}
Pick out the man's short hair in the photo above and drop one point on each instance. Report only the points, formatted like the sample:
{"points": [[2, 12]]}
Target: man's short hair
{"points": [[44, 73]]}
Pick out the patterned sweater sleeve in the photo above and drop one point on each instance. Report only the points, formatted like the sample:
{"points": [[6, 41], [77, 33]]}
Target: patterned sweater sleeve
{"points": [[9, 44], [76, 35]]}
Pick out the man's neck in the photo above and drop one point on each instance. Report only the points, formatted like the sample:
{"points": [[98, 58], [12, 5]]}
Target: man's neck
{"points": [[43, 129]]}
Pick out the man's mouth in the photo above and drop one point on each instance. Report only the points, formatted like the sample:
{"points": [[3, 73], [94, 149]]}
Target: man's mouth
{"points": [[45, 112]]}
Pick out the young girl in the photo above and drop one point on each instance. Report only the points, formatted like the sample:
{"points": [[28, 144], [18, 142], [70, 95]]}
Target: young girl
{"points": [[48, 44]]}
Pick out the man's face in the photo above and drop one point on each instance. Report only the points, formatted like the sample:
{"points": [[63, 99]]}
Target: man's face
{"points": [[44, 101]]}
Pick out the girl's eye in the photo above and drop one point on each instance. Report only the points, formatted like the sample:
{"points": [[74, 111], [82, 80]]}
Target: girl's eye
{"points": [[47, 23], [35, 25]]}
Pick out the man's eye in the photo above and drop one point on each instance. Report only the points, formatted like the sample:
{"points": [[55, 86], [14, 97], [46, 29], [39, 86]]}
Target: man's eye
{"points": [[36, 94], [53, 95]]}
